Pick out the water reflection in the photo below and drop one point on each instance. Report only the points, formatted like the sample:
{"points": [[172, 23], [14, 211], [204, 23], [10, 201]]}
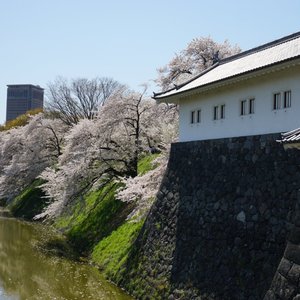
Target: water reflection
{"points": [[25, 273]]}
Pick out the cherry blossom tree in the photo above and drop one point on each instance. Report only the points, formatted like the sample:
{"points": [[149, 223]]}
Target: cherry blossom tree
{"points": [[142, 189], [76, 171], [26, 151], [200, 54], [108, 147], [11, 141], [134, 130]]}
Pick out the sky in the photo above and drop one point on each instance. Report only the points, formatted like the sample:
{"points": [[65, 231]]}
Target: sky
{"points": [[124, 40]]}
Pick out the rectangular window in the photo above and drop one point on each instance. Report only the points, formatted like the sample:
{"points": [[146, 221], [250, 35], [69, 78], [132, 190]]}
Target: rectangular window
{"points": [[216, 112], [222, 111], [192, 117], [198, 115], [251, 106], [287, 96], [243, 107], [276, 101]]}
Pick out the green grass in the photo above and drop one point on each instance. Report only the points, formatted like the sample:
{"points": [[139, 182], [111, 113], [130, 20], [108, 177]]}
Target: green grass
{"points": [[29, 202], [94, 217], [64, 221], [111, 252], [145, 164]]}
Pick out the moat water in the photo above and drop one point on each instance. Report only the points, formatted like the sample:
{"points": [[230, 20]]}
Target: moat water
{"points": [[28, 273]]}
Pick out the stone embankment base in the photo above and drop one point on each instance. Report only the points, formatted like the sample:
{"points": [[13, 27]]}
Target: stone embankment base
{"points": [[219, 227]]}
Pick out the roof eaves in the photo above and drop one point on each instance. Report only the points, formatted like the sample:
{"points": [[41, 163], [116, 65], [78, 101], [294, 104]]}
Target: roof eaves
{"points": [[156, 96], [228, 78], [164, 92]]}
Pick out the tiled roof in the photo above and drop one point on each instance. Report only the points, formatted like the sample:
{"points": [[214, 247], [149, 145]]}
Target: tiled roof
{"points": [[290, 137], [266, 55]]}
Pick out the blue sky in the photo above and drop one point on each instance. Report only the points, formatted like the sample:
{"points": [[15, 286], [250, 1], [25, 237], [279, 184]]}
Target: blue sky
{"points": [[125, 40]]}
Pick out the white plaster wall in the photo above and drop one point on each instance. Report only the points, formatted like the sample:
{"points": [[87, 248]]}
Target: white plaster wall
{"points": [[264, 120]]}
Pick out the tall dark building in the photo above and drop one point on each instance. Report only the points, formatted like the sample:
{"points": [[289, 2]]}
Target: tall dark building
{"points": [[21, 98]]}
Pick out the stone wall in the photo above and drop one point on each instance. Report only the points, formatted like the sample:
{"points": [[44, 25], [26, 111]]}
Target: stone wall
{"points": [[219, 226], [286, 282]]}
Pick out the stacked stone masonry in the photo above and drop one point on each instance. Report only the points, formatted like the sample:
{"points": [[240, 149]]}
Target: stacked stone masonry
{"points": [[219, 226]]}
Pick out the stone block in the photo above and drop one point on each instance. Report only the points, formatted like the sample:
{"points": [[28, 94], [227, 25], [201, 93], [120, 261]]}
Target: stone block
{"points": [[241, 217], [284, 266], [292, 252], [283, 288], [294, 274], [270, 295]]}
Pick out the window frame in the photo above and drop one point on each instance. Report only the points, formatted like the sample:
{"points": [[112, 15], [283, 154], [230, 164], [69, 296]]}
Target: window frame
{"points": [[251, 106], [243, 105], [277, 101], [216, 112], [287, 101], [192, 117], [282, 99], [222, 111], [198, 116]]}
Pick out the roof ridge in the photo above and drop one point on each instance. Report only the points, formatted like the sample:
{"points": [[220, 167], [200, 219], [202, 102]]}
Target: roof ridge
{"points": [[261, 47]]}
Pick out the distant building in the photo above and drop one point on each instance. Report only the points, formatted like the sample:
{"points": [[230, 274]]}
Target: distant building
{"points": [[22, 98]]}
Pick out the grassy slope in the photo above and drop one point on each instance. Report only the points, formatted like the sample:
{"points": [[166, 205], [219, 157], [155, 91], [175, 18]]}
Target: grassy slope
{"points": [[111, 253], [29, 203], [93, 218]]}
